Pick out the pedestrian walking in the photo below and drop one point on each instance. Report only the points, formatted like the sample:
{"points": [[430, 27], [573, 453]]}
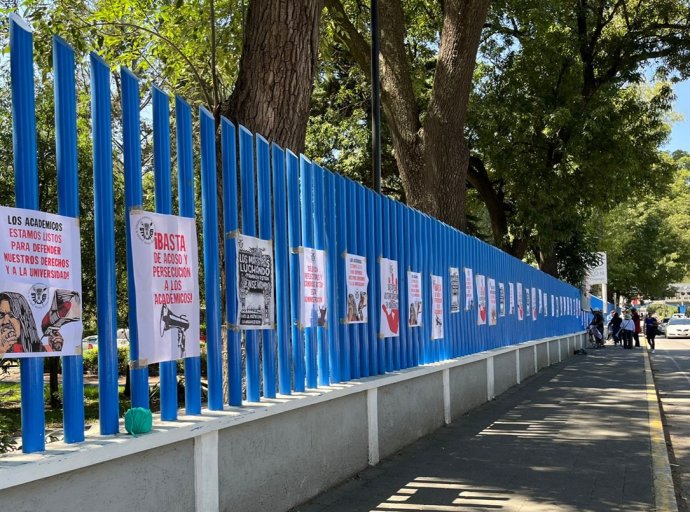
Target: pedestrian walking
{"points": [[627, 330], [615, 327], [651, 326], [635, 316]]}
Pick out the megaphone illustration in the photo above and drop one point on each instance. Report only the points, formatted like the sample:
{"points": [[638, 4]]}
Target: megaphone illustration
{"points": [[170, 320], [65, 308]]}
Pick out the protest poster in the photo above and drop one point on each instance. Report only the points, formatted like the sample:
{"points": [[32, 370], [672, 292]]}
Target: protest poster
{"points": [[528, 302], [539, 296], [501, 299], [390, 301], [313, 293], [469, 289], [546, 304], [414, 298], [437, 307], [357, 281], [553, 305], [511, 293], [491, 286], [40, 284], [166, 279], [454, 289], [534, 303], [520, 310], [255, 283], [481, 299]]}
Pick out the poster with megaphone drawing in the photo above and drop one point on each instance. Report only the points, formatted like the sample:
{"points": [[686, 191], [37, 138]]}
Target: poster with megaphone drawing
{"points": [[255, 298], [390, 298], [166, 280], [40, 284]]}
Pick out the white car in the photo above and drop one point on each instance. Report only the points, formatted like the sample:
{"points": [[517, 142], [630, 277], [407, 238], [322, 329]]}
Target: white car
{"points": [[678, 328]]}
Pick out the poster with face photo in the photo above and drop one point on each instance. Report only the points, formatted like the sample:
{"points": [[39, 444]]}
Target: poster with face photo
{"points": [[481, 299], [40, 284], [357, 282], [520, 309]]}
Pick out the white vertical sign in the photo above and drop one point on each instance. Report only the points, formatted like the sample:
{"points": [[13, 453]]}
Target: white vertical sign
{"points": [[437, 307], [357, 281], [511, 293], [390, 302], [481, 299], [469, 289], [313, 295], [520, 309], [255, 283], [454, 289], [414, 298], [491, 286]]}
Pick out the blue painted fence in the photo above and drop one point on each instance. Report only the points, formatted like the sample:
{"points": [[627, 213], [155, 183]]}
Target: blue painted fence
{"points": [[300, 204]]}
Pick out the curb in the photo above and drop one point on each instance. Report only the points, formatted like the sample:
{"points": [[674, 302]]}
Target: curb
{"points": [[664, 491]]}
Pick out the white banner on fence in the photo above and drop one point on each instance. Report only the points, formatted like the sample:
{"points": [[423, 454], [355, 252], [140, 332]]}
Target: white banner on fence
{"points": [[546, 304], [501, 299], [528, 302], [437, 307], [166, 278], [539, 296], [390, 300], [414, 298], [534, 303], [520, 309], [553, 305], [469, 289], [255, 283], [511, 293], [454, 274], [357, 281], [313, 294], [491, 286], [40, 284], [481, 299]]}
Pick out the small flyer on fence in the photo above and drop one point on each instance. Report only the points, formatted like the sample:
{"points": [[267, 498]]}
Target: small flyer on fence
{"points": [[511, 294], [528, 303], [255, 283], [313, 296], [520, 310], [534, 303], [501, 299], [454, 274], [40, 284], [166, 278], [469, 289], [357, 282], [437, 307], [491, 286], [414, 298], [553, 305], [546, 304], [481, 299], [539, 296], [390, 301]]}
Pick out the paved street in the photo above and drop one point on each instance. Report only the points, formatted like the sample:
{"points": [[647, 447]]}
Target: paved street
{"points": [[575, 437]]}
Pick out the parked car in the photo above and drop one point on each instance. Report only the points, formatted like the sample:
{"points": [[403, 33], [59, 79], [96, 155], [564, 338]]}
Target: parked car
{"points": [[678, 315], [661, 328], [678, 328], [91, 342]]}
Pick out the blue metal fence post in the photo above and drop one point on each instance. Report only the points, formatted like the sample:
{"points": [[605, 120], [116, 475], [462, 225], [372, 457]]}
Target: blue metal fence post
{"points": [[403, 262], [247, 183], [131, 141], [294, 242], [334, 298], [381, 229], [209, 205], [352, 227], [163, 195], [228, 137], [320, 243], [371, 254], [263, 173], [343, 248], [104, 226], [364, 340], [26, 196], [68, 205], [185, 194], [282, 290]]}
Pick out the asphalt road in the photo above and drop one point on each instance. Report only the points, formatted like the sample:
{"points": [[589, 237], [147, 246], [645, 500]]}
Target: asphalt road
{"points": [[671, 367]]}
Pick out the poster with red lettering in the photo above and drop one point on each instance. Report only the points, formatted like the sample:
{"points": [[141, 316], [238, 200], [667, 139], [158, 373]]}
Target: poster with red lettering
{"points": [[357, 282], [414, 298], [40, 284], [436, 307], [390, 298], [481, 299], [314, 297], [166, 280]]}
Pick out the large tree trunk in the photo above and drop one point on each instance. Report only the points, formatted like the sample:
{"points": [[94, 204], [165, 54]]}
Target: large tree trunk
{"points": [[276, 76]]}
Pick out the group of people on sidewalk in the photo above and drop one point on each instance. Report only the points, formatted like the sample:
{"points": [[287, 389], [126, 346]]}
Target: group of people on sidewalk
{"points": [[627, 328]]}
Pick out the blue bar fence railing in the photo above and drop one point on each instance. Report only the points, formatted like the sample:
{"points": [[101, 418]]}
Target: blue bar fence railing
{"points": [[300, 205]]}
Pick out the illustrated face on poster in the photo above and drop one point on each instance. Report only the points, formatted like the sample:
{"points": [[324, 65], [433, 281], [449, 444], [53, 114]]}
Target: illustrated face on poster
{"points": [[390, 303], [314, 299], [40, 284], [520, 310], [255, 283], [437, 307], [414, 298], [357, 281], [469, 290], [454, 289], [481, 299], [501, 299], [534, 303], [511, 294], [491, 285], [166, 279]]}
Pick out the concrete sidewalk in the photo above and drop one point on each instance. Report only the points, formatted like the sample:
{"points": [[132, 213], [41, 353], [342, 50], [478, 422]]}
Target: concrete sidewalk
{"points": [[575, 437]]}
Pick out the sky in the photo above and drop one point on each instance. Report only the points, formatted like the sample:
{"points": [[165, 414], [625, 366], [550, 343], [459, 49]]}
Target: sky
{"points": [[680, 134]]}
